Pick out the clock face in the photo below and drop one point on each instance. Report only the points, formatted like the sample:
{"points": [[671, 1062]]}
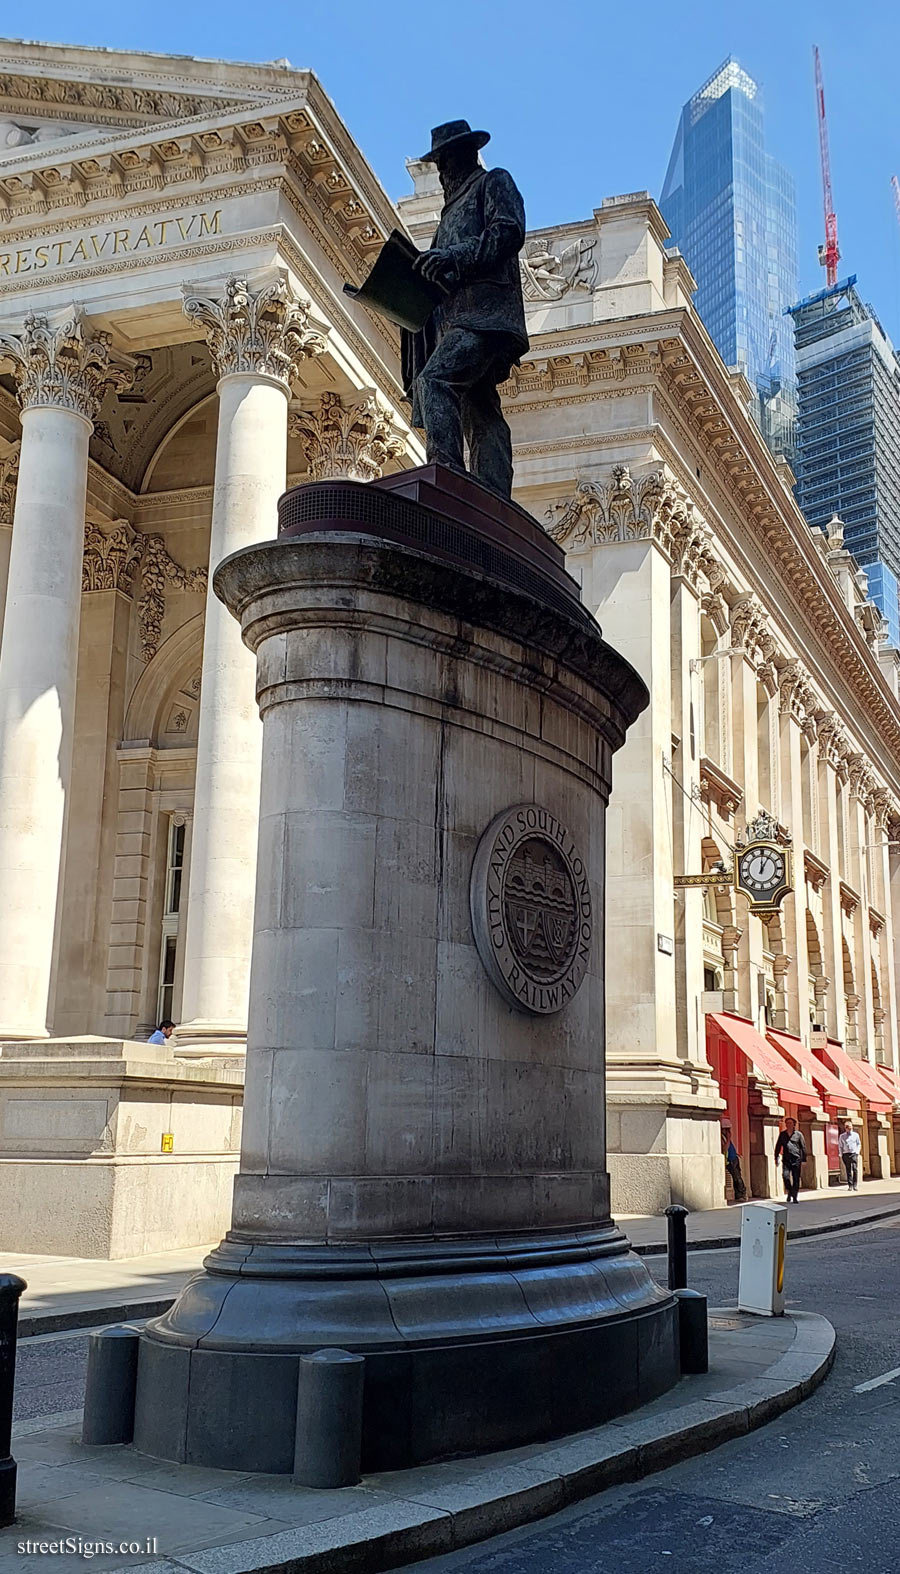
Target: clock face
{"points": [[762, 871]]}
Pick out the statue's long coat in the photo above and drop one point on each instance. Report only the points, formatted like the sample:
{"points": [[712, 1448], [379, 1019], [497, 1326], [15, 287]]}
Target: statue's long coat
{"points": [[483, 228]]}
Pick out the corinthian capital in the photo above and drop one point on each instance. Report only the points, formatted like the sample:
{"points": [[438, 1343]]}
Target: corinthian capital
{"points": [[9, 470], [63, 367], [264, 331], [110, 557], [352, 441]]}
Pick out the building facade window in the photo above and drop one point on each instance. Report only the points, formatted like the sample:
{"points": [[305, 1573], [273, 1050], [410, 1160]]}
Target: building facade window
{"points": [[168, 959]]}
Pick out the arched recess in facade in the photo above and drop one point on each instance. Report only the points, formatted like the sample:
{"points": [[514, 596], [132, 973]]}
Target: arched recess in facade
{"points": [[850, 996], [719, 907], [816, 966], [172, 676], [203, 462], [877, 1007], [776, 984], [157, 762]]}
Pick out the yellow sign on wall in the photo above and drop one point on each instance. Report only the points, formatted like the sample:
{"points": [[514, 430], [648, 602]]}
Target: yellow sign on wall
{"points": [[168, 1142]]}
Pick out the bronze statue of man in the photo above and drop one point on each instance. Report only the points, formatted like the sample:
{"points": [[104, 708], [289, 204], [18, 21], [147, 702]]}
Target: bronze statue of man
{"points": [[452, 366]]}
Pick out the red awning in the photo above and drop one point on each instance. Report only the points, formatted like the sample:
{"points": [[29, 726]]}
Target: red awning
{"points": [[889, 1081], [767, 1060], [860, 1076], [835, 1091]]}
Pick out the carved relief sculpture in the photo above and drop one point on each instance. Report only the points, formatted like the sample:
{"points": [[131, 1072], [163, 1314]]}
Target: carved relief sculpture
{"points": [[160, 569], [9, 471], [548, 276], [352, 441]]}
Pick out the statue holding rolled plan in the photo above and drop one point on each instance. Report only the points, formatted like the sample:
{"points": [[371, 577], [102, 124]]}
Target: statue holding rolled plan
{"points": [[453, 365], [460, 307]]}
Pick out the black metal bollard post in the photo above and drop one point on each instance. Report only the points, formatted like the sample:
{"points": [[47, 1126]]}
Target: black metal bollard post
{"points": [[693, 1331], [11, 1287], [111, 1384], [329, 1419], [677, 1217]]}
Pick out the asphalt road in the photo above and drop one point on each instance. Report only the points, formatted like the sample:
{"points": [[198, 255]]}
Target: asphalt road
{"points": [[816, 1492], [50, 1375]]}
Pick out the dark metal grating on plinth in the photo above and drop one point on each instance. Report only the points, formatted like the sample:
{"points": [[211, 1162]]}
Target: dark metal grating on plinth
{"points": [[348, 505]]}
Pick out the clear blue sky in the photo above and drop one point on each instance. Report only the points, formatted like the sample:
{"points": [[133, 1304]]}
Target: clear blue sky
{"points": [[582, 99]]}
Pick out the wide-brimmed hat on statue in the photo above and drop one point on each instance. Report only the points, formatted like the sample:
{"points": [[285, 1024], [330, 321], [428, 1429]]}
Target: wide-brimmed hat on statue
{"points": [[453, 133]]}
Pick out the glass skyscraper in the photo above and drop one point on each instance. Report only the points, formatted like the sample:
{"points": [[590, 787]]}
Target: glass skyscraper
{"points": [[730, 208], [848, 433]]}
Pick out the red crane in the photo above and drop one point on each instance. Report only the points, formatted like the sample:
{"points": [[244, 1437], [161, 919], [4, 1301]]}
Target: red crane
{"points": [[829, 255]]}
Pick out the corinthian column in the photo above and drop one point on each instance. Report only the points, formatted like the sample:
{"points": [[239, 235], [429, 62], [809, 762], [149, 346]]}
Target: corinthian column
{"points": [[257, 338], [62, 376]]}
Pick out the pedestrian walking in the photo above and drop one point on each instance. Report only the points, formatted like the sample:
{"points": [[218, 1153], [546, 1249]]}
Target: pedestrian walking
{"points": [[849, 1148], [733, 1165], [791, 1149], [163, 1032]]}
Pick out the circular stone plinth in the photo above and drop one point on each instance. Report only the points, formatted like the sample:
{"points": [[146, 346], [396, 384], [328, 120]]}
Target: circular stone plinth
{"points": [[469, 1346], [423, 1174]]}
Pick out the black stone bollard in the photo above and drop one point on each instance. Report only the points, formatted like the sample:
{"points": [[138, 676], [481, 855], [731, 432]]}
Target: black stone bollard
{"points": [[11, 1287], [693, 1331], [110, 1387], [328, 1442], [677, 1217]]}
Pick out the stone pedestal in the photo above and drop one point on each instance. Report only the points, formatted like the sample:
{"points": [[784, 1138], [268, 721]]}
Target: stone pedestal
{"points": [[423, 1175], [113, 1149]]}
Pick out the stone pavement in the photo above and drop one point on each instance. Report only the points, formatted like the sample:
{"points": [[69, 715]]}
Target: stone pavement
{"points": [[73, 1292], [179, 1518], [817, 1213]]}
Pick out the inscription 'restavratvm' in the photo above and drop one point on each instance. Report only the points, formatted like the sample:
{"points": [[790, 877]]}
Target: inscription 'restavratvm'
{"points": [[102, 244]]}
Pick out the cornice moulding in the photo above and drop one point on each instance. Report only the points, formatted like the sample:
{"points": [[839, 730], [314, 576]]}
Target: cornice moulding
{"points": [[815, 871], [717, 787], [293, 133]]}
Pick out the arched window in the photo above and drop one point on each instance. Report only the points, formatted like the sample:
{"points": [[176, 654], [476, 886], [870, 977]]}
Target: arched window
{"points": [[840, 793], [808, 835], [816, 968], [710, 679], [764, 746]]}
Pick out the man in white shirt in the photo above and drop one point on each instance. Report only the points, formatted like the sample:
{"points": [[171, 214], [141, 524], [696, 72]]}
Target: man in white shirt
{"points": [[849, 1147]]}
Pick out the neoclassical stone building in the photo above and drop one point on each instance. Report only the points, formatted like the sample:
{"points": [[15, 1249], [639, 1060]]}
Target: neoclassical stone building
{"points": [[175, 345], [771, 689], [175, 238]]}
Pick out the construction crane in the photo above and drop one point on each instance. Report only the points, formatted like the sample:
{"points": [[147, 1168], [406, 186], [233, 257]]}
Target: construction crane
{"points": [[829, 255], [895, 187]]}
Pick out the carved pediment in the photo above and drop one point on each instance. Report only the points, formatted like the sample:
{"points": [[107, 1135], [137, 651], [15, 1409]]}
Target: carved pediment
{"points": [[18, 133], [39, 102]]}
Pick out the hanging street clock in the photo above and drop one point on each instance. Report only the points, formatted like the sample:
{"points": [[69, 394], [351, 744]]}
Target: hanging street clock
{"points": [[763, 864]]}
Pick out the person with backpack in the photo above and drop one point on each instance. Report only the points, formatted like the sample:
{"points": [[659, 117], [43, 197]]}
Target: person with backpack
{"points": [[791, 1149]]}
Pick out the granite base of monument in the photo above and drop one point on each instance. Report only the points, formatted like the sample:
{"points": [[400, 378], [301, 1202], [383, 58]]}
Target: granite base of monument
{"points": [[423, 1177]]}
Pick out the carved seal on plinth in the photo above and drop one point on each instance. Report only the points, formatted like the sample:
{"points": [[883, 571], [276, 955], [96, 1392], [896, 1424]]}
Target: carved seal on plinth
{"points": [[531, 908]]}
